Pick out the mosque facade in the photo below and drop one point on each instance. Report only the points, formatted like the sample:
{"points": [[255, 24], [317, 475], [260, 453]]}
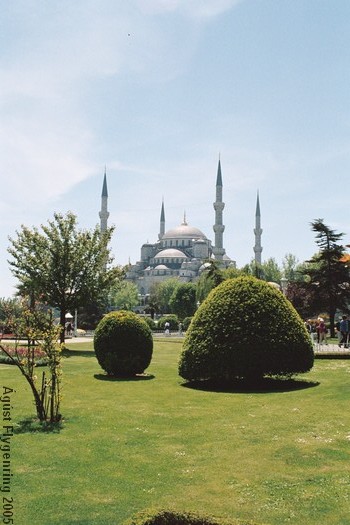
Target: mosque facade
{"points": [[182, 252]]}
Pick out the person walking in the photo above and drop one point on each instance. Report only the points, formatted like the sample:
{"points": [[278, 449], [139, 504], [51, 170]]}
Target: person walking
{"points": [[344, 330], [322, 331]]}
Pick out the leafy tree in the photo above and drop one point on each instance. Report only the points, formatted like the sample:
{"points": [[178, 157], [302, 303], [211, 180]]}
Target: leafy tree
{"points": [[10, 309], [290, 267], [161, 293], [183, 300], [327, 274], [62, 265], [254, 269], [210, 278], [271, 272], [303, 298], [267, 271], [125, 296], [231, 272], [90, 314]]}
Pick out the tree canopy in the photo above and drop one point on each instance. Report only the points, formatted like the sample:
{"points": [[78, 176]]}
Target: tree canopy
{"points": [[124, 296], [62, 265], [183, 300], [327, 274]]}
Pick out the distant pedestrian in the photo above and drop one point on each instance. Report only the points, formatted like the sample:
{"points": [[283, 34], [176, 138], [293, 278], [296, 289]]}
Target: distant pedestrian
{"points": [[167, 328], [310, 327], [322, 331], [344, 330], [337, 327]]}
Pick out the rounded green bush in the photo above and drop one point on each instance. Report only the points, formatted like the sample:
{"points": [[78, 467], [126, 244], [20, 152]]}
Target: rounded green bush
{"points": [[151, 323], [123, 344], [186, 323], [172, 319], [245, 329]]}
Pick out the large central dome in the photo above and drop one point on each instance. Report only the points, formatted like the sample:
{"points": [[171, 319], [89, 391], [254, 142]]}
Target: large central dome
{"points": [[184, 231]]}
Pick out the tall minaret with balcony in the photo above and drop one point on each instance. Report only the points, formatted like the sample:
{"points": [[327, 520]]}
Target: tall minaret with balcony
{"points": [[218, 249], [162, 222], [257, 232], [104, 213]]}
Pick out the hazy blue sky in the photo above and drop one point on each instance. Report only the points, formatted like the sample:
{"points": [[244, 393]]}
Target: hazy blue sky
{"points": [[156, 90]]}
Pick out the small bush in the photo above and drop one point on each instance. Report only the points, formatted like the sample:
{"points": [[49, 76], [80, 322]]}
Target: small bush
{"points": [[165, 517], [171, 319], [186, 323], [123, 344], [245, 329], [151, 323]]}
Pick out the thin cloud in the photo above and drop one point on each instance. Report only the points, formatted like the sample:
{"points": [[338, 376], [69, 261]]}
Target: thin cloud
{"points": [[196, 9]]}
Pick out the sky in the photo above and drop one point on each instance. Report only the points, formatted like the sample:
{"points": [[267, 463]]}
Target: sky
{"points": [[155, 92]]}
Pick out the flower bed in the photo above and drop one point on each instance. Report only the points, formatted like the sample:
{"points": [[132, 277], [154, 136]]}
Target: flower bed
{"points": [[21, 353]]}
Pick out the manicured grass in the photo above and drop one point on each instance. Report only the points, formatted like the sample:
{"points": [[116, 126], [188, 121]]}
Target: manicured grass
{"points": [[274, 456]]}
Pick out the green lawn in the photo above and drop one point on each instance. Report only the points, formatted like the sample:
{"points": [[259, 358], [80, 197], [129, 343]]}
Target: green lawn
{"points": [[277, 456]]}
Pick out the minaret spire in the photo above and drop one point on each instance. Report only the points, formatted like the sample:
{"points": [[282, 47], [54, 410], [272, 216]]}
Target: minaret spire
{"points": [[162, 222], [218, 249], [257, 232], [104, 213]]}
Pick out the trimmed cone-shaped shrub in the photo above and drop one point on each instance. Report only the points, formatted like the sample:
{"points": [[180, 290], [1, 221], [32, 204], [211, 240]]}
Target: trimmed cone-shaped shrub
{"points": [[123, 344], [245, 328]]}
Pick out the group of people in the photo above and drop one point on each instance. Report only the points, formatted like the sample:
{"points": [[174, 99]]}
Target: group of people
{"points": [[318, 330]]}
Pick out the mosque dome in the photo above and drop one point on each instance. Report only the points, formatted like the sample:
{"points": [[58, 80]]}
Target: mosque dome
{"points": [[170, 253], [161, 267], [184, 231]]}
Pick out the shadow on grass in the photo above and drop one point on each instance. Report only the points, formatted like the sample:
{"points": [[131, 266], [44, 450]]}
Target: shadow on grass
{"points": [[138, 377], [240, 386], [31, 425], [75, 353]]}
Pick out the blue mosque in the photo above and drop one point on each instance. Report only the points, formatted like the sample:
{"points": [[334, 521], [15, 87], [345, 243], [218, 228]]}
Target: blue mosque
{"points": [[181, 252]]}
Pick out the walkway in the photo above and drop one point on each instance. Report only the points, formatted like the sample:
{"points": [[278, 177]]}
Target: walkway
{"points": [[331, 350]]}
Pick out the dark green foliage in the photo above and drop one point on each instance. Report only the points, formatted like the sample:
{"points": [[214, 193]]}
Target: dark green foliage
{"points": [[326, 273], [183, 300], [123, 344], [171, 319], [186, 323], [245, 329], [165, 517], [150, 322]]}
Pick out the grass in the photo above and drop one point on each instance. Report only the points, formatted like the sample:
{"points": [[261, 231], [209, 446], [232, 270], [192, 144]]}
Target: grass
{"points": [[273, 455]]}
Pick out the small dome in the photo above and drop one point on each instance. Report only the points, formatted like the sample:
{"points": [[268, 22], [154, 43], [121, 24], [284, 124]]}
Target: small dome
{"points": [[170, 252], [161, 267]]}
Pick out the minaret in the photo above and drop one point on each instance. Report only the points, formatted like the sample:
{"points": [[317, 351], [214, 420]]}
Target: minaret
{"points": [[162, 222], [257, 232], [104, 213], [218, 227]]}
